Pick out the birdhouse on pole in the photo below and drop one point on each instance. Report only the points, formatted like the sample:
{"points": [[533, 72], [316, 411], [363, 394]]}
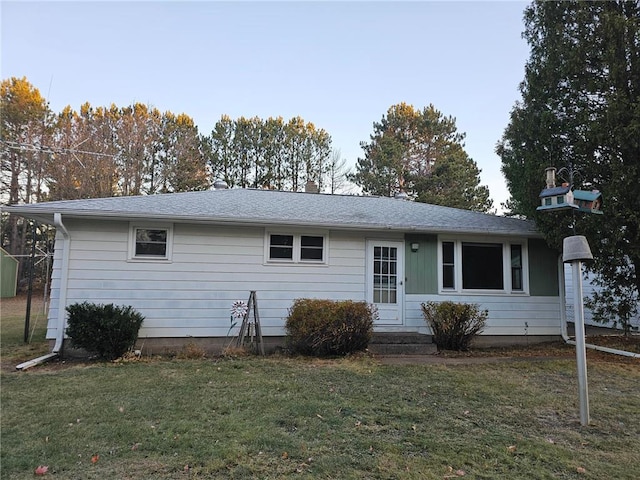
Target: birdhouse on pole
{"points": [[556, 198], [588, 201], [564, 198]]}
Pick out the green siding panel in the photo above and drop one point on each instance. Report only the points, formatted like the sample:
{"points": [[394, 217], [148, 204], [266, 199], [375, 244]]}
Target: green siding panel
{"points": [[543, 269], [421, 267]]}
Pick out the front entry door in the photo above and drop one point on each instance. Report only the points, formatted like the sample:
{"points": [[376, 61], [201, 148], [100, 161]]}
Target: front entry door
{"points": [[385, 280]]}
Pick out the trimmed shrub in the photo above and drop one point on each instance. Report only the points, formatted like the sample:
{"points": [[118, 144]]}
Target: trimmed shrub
{"points": [[454, 325], [327, 328], [108, 330]]}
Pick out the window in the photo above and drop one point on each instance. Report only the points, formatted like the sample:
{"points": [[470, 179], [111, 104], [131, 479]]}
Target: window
{"points": [[150, 243], [385, 276], [311, 248], [281, 247], [547, 201], [560, 199], [296, 248], [448, 265], [482, 266], [516, 267]]}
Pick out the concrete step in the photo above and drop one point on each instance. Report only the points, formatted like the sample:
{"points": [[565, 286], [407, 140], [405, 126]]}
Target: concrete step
{"points": [[400, 343], [403, 348]]}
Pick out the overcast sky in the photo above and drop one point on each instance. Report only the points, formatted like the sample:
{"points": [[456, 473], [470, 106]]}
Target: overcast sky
{"points": [[338, 65]]}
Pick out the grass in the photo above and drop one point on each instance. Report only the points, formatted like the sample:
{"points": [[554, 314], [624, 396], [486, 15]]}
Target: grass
{"points": [[12, 321], [354, 418]]}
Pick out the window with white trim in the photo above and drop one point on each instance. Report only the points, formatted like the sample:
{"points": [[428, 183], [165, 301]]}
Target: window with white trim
{"points": [[517, 282], [281, 247], [153, 242], [311, 248], [448, 265], [296, 248], [482, 266]]}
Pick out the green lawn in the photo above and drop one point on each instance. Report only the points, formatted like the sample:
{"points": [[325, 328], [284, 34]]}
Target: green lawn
{"points": [[12, 322], [276, 417]]}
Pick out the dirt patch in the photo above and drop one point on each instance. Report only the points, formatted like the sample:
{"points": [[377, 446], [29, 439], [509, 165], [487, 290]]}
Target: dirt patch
{"points": [[539, 352]]}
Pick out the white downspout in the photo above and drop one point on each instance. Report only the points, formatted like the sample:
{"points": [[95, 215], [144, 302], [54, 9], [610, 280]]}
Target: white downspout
{"points": [[64, 281], [62, 300], [563, 319]]}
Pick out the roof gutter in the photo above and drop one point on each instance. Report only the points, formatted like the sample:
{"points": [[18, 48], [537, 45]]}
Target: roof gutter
{"points": [[563, 319], [62, 302]]}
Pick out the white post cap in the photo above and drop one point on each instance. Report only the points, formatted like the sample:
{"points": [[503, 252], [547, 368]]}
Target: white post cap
{"points": [[576, 248]]}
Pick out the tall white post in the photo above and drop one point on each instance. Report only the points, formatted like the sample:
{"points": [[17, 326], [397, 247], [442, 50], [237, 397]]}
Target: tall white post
{"points": [[575, 249], [581, 351]]}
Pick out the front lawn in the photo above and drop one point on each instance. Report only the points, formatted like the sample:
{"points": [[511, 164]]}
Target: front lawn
{"points": [[277, 417], [335, 419]]}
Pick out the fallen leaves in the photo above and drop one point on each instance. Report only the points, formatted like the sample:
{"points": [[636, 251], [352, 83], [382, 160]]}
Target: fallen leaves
{"points": [[95, 458], [41, 470], [455, 473]]}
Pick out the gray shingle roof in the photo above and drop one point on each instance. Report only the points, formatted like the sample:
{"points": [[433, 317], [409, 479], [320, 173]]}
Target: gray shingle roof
{"points": [[268, 207], [551, 192]]}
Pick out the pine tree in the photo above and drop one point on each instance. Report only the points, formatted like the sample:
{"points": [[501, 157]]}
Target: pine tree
{"points": [[580, 111], [420, 152]]}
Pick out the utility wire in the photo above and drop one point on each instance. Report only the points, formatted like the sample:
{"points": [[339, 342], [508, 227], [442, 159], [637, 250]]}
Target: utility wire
{"points": [[30, 147]]}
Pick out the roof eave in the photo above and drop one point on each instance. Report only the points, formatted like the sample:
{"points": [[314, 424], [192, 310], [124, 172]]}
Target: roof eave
{"points": [[46, 217]]}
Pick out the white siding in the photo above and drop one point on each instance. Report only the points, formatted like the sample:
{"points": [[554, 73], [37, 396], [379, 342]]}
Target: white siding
{"points": [[508, 314], [211, 268], [588, 287], [214, 266]]}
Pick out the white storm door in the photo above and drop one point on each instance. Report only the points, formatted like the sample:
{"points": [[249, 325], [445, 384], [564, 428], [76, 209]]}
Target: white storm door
{"points": [[385, 280]]}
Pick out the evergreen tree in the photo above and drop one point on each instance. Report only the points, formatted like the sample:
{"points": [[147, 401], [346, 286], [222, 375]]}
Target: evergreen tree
{"points": [[421, 153], [256, 153], [580, 112]]}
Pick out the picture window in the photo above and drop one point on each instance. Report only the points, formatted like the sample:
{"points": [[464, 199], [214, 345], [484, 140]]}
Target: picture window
{"points": [[482, 266]]}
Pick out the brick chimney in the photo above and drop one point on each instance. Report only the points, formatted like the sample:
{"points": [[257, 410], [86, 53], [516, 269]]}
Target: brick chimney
{"points": [[311, 187]]}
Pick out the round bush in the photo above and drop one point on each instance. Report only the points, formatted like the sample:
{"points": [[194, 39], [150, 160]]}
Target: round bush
{"points": [[107, 330], [453, 325], [327, 328]]}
